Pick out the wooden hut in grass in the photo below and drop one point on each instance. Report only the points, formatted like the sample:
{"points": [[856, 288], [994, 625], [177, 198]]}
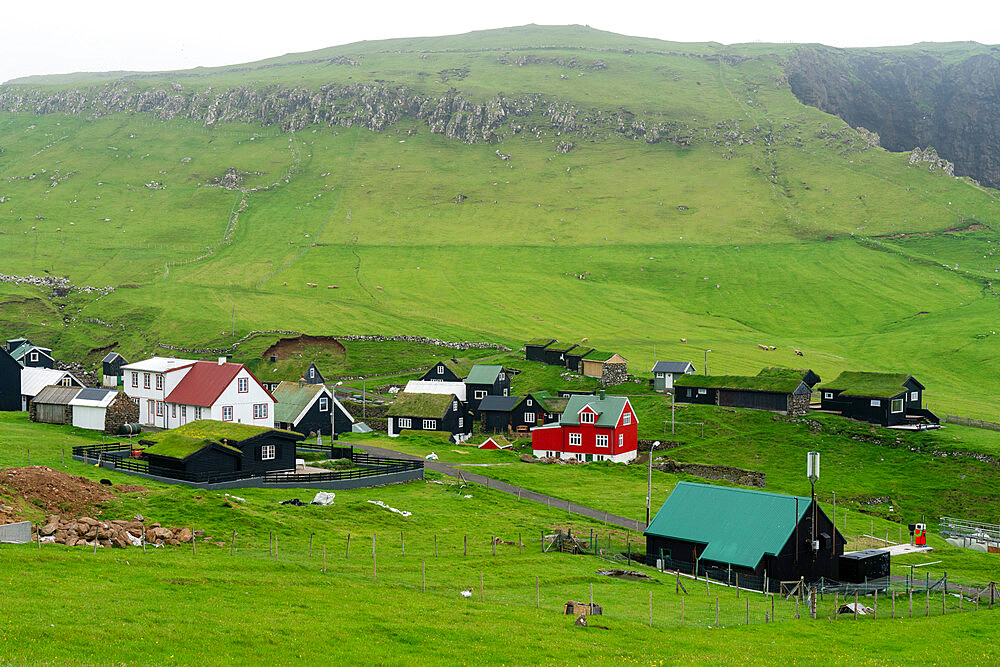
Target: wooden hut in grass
{"points": [[609, 367], [574, 358], [51, 405], [207, 447], [555, 353], [744, 531], [430, 412]]}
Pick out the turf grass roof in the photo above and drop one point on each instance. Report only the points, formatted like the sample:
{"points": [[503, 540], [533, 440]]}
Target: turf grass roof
{"points": [[867, 384], [431, 406]]}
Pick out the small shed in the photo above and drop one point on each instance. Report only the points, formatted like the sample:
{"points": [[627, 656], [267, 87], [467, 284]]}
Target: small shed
{"points": [[609, 367], [574, 358], [782, 390], [665, 372], [112, 369], [860, 566], [504, 414], [555, 353], [889, 399], [51, 405], [103, 410], [33, 380], [534, 349]]}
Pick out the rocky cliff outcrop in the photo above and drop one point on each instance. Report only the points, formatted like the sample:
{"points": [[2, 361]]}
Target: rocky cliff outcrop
{"points": [[911, 99]]}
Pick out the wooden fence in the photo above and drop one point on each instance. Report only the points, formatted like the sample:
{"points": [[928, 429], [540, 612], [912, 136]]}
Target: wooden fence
{"points": [[975, 423]]}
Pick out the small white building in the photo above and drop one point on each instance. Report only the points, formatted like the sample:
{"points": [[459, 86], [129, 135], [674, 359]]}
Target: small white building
{"points": [[33, 380], [145, 382], [457, 389], [90, 409]]}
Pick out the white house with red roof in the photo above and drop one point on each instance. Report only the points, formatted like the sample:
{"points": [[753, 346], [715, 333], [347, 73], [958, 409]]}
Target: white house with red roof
{"points": [[220, 390], [592, 428], [145, 383]]}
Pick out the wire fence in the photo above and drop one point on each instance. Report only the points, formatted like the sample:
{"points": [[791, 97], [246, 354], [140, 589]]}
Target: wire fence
{"points": [[506, 570]]}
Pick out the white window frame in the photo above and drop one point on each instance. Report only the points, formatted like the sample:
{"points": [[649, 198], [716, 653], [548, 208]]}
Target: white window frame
{"points": [[828, 395], [260, 410], [461, 422], [587, 417], [429, 424], [145, 381], [312, 373], [506, 391], [33, 356], [914, 395], [702, 392], [479, 393], [440, 370], [242, 385], [66, 382], [528, 403], [893, 403], [502, 377], [627, 419], [184, 412], [621, 440], [268, 453], [529, 417], [875, 403], [576, 439], [404, 422], [227, 409], [159, 382], [135, 379], [173, 411], [197, 412], [454, 405], [159, 408], [324, 404], [601, 440]]}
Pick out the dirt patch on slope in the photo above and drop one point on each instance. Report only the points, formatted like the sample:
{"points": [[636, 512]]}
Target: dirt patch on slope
{"points": [[49, 490], [286, 348]]}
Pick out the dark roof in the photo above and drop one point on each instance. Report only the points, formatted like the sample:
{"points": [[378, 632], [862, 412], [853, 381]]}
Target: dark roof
{"points": [[774, 379], [432, 406], [738, 526], [499, 403], [95, 394], [672, 366], [875, 385], [111, 357]]}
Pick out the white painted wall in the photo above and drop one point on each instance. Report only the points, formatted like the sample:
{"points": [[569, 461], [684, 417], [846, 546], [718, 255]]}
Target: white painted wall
{"points": [[90, 418], [242, 403]]}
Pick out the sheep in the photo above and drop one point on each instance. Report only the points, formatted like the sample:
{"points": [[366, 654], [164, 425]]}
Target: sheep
{"points": [[584, 340], [762, 347], [684, 340], [798, 353]]}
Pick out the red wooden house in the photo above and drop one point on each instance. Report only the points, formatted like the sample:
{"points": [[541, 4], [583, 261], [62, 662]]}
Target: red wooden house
{"points": [[592, 428]]}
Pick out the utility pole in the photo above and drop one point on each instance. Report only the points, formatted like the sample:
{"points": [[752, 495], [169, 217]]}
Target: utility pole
{"points": [[364, 401], [672, 413], [649, 484], [706, 361], [234, 321]]}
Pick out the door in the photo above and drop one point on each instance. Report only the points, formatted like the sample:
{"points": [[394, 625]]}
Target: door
{"points": [[150, 410]]}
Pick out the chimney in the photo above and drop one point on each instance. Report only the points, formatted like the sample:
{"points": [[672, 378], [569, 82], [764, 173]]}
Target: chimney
{"points": [[602, 394], [222, 360]]}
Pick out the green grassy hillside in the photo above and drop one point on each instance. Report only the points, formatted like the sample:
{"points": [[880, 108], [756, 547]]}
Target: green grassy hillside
{"points": [[699, 200]]}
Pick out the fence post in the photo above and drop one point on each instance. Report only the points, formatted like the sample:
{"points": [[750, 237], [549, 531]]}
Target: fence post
{"points": [[311, 543], [482, 591], [772, 608], [796, 607], [911, 602], [347, 554], [324, 558], [423, 576], [716, 612], [466, 544], [520, 544], [373, 545], [232, 543], [402, 543], [494, 543], [927, 609], [836, 603], [435, 545], [538, 595], [651, 608], [374, 568]]}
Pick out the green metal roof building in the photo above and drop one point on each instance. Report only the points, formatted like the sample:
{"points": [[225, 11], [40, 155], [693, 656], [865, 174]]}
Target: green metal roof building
{"points": [[748, 531]]}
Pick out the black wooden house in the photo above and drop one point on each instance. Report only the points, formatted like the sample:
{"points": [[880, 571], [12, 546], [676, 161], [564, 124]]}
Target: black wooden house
{"points": [[430, 412], [10, 382], [574, 358], [307, 409], [746, 531], [783, 390], [111, 369], [510, 414], [485, 380], [889, 399], [555, 354], [312, 375], [207, 447], [444, 371], [534, 349]]}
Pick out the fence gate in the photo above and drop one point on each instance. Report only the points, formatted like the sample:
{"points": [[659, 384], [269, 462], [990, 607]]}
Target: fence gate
{"points": [[15, 533]]}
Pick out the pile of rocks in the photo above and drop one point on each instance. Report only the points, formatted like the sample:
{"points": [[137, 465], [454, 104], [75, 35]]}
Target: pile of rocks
{"points": [[118, 533]]}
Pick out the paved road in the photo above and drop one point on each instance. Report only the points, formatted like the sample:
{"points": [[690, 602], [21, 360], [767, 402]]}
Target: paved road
{"points": [[520, 492]]}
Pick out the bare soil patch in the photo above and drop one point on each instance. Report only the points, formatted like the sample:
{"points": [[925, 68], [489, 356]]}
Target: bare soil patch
{"points": [[286, 348], [49, 490]]}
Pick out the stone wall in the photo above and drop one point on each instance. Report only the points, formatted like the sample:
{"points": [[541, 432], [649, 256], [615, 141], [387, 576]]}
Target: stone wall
{"points": [[121, 411], [736, 475], [614, 374], [798, 406]]}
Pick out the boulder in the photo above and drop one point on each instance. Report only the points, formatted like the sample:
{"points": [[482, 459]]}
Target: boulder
{"points": [[528, 458], [50, 528], [184, 535]]}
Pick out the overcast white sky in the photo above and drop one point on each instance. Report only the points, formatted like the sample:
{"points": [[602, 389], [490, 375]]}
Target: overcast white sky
{"points": [[74, 35]]}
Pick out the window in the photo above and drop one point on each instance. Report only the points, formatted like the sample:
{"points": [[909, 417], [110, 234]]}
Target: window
{"points": [[404, 422], [324, 404], [897, 405], [702, 392], [227, 413], [267, 453], [461, 422], [173, 410], [875, 403], [602, 441], [159, 408], [827, 394], [621, 440], [659, 375], [529, 417], [914, 396], [312, 373], [506, 391], [242, 385], [627, 418], [159, 382], [454, 405], [502, 377], [528, 403], [145, 380], [34, 356], [135, 379], [260, 410], [575, 439], [689, 392], [66, 382], [587, 417], [184, 412], [480, 393], [440, 370], [197, 413], [430, 424]]}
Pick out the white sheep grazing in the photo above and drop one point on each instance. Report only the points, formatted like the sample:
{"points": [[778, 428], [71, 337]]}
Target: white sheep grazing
{"points": [[684, 340]]}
